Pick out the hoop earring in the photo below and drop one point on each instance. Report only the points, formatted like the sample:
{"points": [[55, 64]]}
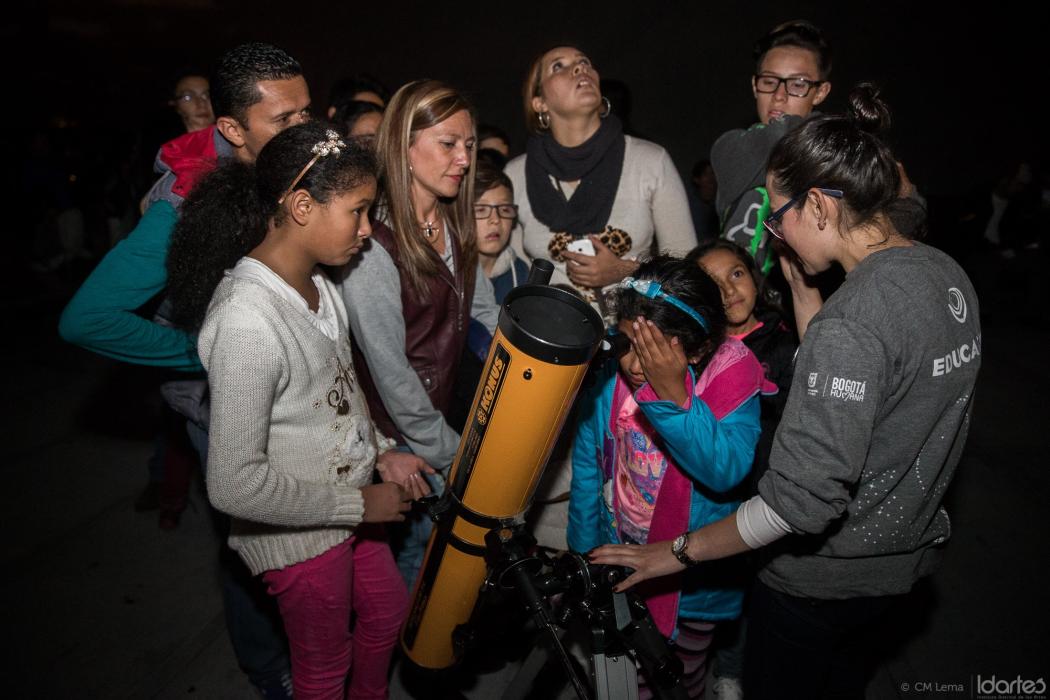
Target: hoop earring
{"points": [[544, 118], [608, 107]]}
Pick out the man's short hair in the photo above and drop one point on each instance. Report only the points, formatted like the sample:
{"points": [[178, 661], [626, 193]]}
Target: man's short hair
{"points": [[234, 87]]}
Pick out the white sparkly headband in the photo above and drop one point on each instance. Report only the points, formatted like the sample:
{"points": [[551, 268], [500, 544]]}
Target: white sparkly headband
{"points": [[651, 289], [332, 144]]}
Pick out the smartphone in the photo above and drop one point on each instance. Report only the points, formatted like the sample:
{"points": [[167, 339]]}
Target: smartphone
{"points": [[583, 246]]}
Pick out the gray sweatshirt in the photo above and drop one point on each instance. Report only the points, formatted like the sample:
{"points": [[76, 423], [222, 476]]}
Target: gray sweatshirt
{"points": [[739, 158], [371, 290], [874, 428]]}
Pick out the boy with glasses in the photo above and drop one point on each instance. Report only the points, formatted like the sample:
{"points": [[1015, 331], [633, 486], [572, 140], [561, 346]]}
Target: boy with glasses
{"points": [[496, 213]]}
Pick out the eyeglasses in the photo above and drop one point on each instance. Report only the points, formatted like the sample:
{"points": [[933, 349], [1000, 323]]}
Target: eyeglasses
{"points": [[772, 222], [796, 87], [191, 96], [503, 211]]}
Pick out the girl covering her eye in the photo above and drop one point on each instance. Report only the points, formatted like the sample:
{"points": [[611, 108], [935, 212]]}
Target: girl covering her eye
{"points": [[849, 512], [664, 438]]}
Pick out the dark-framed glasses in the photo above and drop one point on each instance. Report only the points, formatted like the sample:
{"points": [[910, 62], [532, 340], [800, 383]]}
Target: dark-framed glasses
{"points": [[772, 222], [796, 87], [503, 211]]}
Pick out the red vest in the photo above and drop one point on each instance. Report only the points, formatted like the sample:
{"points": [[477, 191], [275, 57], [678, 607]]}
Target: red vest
{"points": [[191, 157], [435, 330]]}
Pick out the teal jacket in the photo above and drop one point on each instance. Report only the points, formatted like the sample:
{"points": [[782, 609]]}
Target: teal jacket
{"points": [[714, 454], [103, 315]]}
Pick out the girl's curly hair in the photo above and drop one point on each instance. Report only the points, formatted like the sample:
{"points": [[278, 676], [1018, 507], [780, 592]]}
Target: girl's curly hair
{"points": [[230, 210]]}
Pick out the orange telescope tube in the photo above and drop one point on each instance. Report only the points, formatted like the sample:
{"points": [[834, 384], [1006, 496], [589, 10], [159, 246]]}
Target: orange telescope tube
{"points": [[545, 339]]}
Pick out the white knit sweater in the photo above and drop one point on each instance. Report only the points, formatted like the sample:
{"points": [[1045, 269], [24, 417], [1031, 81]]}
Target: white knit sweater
{"points": [[291, 441]]}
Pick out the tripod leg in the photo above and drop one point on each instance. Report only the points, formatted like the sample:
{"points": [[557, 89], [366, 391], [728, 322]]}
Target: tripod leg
{"points": [[530, 596], [615, 677]]}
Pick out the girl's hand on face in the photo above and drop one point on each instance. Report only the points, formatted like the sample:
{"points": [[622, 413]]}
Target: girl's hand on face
{"points": [[385, 503], [404, 468], [647, 560], [662, 359], [598, 270]]}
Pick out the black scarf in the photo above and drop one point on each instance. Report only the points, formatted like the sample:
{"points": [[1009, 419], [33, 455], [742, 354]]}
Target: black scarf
{"points": [[596, 163]]}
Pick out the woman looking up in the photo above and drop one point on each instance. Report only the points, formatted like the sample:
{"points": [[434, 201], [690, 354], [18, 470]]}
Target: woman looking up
{"points": [[584, 186], [414, 290]]}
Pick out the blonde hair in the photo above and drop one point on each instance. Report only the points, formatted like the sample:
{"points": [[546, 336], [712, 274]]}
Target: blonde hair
{"points": [[530, 89], [416, 106]]}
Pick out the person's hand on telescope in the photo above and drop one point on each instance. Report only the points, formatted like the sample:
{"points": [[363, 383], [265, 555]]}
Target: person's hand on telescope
{"points": [[647, 560], [385, 503], [662, 359], [406, 469]]}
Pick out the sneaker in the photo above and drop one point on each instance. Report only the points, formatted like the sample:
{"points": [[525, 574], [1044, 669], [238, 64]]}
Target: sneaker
{"points": [[728, 689], [279, 688]]}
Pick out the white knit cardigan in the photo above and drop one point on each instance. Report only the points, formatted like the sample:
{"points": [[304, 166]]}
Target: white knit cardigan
{"points": [[291, 442]]}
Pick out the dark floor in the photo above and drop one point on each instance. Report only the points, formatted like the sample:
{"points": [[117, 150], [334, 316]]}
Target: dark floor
{"points": [[102, 603]]}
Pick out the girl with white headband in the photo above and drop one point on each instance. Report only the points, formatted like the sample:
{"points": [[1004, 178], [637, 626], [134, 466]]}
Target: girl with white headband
{"points": [[292, 448]]}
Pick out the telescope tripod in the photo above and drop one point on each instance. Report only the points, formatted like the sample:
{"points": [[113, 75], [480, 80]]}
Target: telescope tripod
{"points": [[556, 591]]}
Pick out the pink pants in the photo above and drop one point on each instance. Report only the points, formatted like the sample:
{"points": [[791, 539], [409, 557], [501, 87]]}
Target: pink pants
{"points": [[316, 598]]}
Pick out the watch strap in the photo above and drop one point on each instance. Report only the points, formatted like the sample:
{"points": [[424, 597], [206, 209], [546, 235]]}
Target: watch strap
{"points": [[678, 549]]}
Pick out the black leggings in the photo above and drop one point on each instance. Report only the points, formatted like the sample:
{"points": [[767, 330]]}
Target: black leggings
{"points": [[810, 648]]}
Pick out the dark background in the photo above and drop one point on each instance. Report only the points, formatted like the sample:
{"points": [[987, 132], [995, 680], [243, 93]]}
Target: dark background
{"points": [[964, 86], [136, 609]]}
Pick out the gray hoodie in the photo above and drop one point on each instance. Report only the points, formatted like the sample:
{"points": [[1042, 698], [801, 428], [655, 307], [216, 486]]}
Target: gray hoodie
{"points": [[874, 428], [739, 160]]}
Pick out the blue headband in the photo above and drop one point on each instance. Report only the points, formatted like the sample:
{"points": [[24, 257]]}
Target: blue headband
{"points": [[651, 289]]}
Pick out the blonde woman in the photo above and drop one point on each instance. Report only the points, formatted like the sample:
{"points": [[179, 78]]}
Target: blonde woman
{"points": [[412, 293]]}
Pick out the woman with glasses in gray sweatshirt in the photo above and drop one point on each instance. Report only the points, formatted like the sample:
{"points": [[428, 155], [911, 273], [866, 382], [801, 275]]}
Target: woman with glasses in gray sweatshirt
{"points": [[848, 517]]}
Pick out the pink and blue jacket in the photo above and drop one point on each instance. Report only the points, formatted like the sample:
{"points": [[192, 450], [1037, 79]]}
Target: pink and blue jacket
{"points": [[710, 445]]}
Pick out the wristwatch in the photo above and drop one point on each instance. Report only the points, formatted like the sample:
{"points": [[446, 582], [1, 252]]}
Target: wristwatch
{"points": [[678, 550]]}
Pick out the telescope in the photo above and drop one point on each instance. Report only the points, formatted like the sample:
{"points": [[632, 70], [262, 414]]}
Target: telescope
{"points": [[542, 348]]}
